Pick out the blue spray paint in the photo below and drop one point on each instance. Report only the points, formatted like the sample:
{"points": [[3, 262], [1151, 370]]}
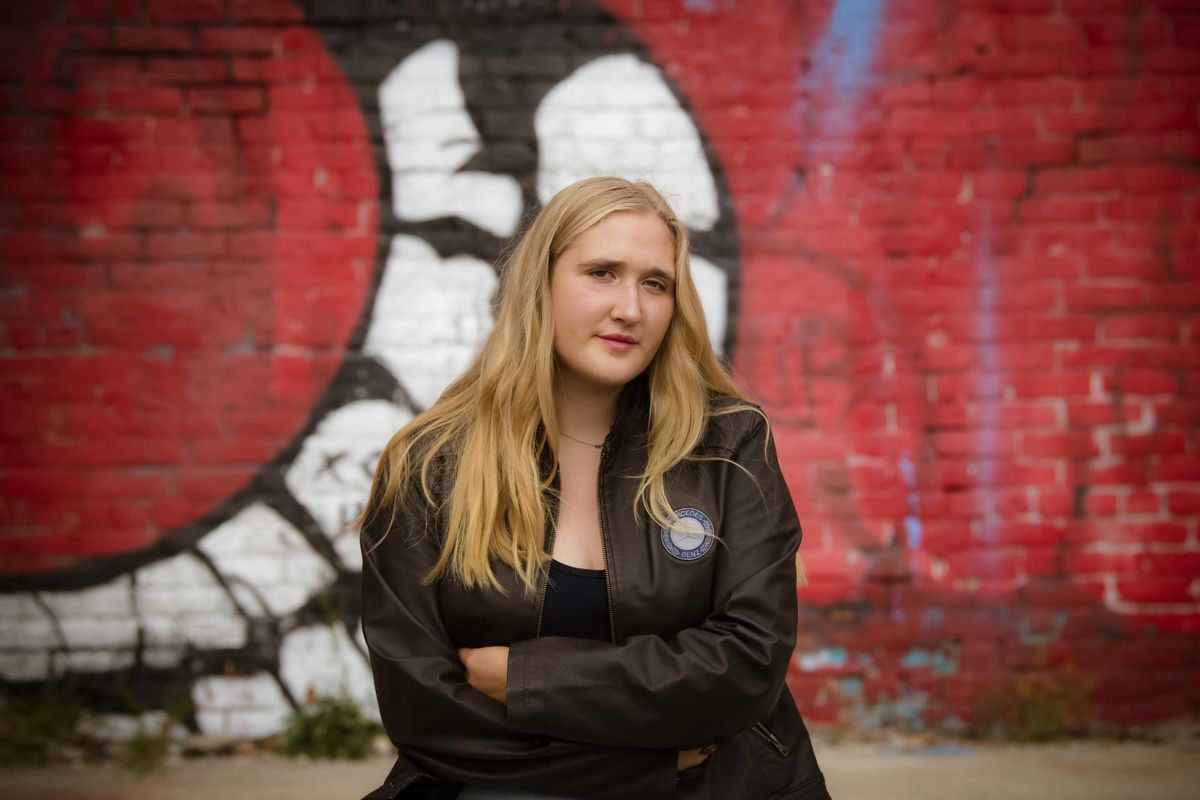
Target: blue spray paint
{"points": [[707, 6], [939, 662], [848, 46], [987, 273], [842, 59], [825, 658], [912, 520]]}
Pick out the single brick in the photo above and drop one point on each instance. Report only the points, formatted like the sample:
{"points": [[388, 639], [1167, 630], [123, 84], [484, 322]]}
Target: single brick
{"points": [[151, 99], [152, 39], [186, 10], [187, 70], [239, 40], [265, 11], [247, 213], [225, 100], [106, 10]]}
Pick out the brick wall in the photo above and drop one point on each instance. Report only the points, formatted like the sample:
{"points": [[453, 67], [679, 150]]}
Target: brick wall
{"points": [[950, 246]]}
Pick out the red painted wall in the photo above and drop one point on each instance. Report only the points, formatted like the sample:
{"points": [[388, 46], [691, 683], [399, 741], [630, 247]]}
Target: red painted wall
{"points": [[963, 253]]}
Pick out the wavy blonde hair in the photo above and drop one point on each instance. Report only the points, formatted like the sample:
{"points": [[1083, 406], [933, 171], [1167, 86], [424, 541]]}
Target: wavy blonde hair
{"points": [[492, 422]]}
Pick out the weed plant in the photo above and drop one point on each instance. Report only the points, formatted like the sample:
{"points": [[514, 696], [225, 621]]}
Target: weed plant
{"points": [[36, 722], [1036, 706], [329, 727]]}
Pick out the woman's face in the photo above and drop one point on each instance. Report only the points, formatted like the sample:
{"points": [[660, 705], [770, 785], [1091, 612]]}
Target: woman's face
{"points": [[615, 282]]}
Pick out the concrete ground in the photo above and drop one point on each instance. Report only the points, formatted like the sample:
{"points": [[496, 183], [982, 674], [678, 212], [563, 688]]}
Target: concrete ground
{"points": [[896, 770]]}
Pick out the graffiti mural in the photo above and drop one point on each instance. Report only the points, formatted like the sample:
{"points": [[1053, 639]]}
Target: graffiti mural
{"points": [[242, 246], [435, 152]]}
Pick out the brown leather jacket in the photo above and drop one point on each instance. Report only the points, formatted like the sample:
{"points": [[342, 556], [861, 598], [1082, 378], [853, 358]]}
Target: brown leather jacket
{"points": [[703, 633]]}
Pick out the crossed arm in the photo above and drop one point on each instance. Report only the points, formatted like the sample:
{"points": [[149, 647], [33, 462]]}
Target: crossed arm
{"points": [[453, 731], [591, 718]]}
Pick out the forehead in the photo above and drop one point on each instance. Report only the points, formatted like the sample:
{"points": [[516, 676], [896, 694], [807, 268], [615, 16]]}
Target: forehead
{"points": [[623, 235]]}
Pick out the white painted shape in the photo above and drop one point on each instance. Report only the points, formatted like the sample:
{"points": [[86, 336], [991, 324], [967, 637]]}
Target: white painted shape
{"points": [[162, 657], [263, 550], [19, 666], [255, 723], [322, 661], [712, 284], [245, 706], [92, 660], [430, 316], [212, 722], [286, 598], [601, 132], [24, 625], [633, 93], [124, 727], [429, 136], [180, 602], [106, 600], [331, 475], [602, 123], [664, 124], [346, 545], [98, 618], [675, 157], [248, 599]]}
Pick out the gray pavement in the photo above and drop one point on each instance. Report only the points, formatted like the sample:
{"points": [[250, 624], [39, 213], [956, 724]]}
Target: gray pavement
{"points": [[896, 768]]}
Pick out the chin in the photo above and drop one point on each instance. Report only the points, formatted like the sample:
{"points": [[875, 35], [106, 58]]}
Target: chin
{"points": [[610, 380]]}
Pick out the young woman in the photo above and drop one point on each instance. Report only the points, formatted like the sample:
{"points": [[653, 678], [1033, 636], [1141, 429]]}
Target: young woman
{"points": [[579, 565]]}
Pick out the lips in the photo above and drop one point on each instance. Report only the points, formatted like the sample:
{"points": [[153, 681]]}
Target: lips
{"points": [[619, 343]]}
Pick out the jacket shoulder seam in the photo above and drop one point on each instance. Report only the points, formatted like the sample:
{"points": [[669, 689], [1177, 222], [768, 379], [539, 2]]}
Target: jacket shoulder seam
{"points": [[729, 432]]}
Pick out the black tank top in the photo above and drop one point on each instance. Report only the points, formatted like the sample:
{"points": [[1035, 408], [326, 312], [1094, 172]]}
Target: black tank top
{"points": [[576, 603]]}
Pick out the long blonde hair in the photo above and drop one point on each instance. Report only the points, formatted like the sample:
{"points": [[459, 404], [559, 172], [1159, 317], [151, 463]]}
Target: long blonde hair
{"points": [[491, 423]]}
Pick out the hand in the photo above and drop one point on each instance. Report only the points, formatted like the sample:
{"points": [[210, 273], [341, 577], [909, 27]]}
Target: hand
{"points": [[487, 670], [693, 758]]}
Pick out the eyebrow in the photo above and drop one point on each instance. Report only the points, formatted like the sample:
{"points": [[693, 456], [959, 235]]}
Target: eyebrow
{"points": [[611, 262]]}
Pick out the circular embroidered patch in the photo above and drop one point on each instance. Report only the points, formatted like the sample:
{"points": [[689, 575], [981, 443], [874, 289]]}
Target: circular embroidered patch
{"points": [[690, 534]]}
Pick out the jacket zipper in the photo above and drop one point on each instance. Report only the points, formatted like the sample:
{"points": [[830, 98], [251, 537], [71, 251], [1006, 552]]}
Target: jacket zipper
{"points": [[612, 625], [762, 730], [546, 581]]}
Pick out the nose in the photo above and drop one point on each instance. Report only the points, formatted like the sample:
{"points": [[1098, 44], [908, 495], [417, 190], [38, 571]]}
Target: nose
{"points": [[627, 302]]}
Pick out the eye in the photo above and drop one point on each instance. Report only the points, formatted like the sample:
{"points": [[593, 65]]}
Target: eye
{"points": [[657, 285], [600, 272]]}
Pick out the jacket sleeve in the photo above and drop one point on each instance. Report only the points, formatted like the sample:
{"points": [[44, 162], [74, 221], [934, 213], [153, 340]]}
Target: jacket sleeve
{"points": [[448, 728], [706, 682]]}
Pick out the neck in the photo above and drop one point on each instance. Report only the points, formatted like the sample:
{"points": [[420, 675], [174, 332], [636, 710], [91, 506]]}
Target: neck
{"points": [[586, 414]]}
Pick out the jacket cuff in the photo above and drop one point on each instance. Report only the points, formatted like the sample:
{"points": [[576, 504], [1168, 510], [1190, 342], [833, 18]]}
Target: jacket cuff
{"points": [[523, 687]]}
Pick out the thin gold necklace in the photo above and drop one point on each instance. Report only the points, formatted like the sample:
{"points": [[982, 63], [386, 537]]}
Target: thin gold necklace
{"points": [[581, 441]]}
